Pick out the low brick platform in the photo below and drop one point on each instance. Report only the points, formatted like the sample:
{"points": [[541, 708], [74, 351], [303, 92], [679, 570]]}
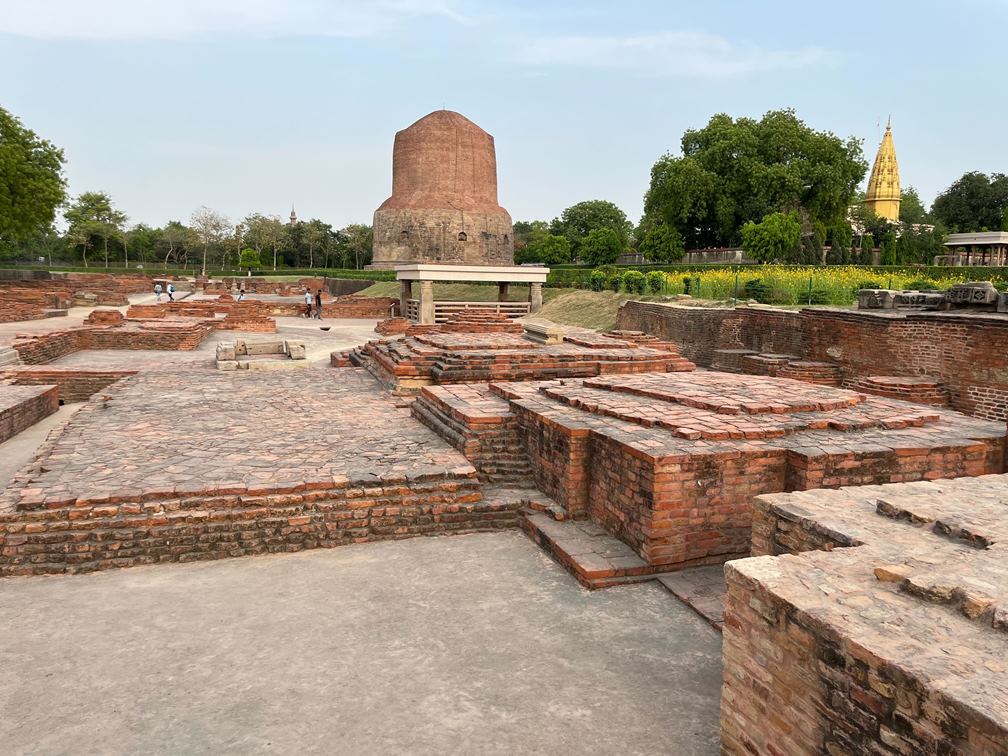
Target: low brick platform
{"points": [[917, 390], [443, 357], [75, 384], [171, 335], [23, 406], [668, 462], [895, 643], [176, 467], [779, 366]]}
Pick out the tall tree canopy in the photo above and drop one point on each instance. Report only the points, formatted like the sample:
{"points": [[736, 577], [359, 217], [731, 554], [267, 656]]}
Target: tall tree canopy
{"points": [[735, 171], [31, 180], [579, 220], [92, 215], [973, 203], [912, 210]]}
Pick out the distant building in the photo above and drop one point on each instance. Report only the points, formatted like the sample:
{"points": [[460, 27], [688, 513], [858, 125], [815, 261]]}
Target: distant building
{"points": [[443, 207], [983, 248], [883, 194], [293, 217]]}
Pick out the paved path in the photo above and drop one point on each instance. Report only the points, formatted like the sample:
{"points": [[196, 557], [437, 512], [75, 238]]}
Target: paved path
{"points": [[463, 644]]}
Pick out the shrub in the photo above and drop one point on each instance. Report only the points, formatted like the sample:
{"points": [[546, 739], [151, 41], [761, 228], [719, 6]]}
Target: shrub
{"points": [[655, 281], [755, 289], [921, 284], [614, 281], [597, 280], [634, 282], [819, 297]]}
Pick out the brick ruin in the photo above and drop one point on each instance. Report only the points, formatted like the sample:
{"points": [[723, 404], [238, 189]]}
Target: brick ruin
{"points": [[874, 622], [870, 619], [962, 353], [491, 347], [49, 295]]}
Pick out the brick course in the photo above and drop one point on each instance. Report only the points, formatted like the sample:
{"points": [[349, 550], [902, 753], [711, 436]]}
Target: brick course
{"points": [[23, 406]]}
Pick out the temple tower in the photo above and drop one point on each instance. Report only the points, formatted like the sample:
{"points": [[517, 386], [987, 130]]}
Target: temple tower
{"points": [[883, 194], [443, 206]]}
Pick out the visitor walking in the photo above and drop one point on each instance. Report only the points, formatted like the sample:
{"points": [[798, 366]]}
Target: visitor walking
{"points": [[318, 305], [241, 295], [157, 292], [308, 303], [171, 293]]}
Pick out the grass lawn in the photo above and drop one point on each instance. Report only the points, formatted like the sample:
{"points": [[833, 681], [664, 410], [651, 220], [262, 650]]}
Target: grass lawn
{"points": [[576, 307]]}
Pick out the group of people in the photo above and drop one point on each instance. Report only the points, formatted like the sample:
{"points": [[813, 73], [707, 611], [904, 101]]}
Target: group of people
{"points": [[169, 289], [313, 302], [309, 300]]}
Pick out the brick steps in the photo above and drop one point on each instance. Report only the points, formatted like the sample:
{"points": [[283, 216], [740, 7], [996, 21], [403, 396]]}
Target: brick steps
{"points": [[595, 558], [919, 390]]}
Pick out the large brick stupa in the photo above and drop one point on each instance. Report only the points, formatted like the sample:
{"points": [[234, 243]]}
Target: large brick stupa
{"points": [[443, 206]]}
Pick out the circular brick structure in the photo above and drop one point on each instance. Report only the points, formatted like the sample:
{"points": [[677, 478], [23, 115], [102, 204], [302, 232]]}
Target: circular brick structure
{"points": [[443, 206]]}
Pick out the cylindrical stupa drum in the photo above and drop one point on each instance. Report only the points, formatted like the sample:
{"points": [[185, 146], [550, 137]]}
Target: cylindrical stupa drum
{"points": [[443, 206]]}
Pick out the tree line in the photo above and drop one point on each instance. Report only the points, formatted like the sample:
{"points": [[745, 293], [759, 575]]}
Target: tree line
{"points": [[777, 188]]}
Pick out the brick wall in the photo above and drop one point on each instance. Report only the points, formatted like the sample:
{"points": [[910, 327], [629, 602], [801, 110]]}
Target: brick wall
{"points": [[84, 538], [75, 384], [967, 354], [21, 407], [174, 336]]}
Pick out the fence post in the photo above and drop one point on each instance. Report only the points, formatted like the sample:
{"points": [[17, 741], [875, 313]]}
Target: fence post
{"points": [[735, 298], [810, 287]]}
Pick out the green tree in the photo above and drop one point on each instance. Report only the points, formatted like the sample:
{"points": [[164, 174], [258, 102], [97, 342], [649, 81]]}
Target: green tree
{"points": [[248, 258], [526, 232], [867, 247], [776, 237], [31, 180], [602, 246], [316, 234], [912, 210], [92, 215], [660, 243], [840, 247], [975, 202], [887, 249], [175, 242], [548, 249], [142, 240], [735, 171], [210, 227], [357, 242], [578, 221]]}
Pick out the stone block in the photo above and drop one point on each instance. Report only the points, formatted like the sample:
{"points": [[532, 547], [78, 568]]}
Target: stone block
{"points": [[227, 364], [264, 347], [972, 293], [876, 299], [1002, 302], [918, 300], [544, 333], [226, 351], [295, 350]]}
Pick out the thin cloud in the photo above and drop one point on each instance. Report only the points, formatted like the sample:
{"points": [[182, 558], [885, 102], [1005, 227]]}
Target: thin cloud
{"points": [[674, 53], [181, 19]]}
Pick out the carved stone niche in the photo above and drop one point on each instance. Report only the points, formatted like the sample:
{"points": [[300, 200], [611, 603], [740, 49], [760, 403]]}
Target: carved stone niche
{"points": [[972, 294], [918, 300], [1003, 302], [876, 299]]}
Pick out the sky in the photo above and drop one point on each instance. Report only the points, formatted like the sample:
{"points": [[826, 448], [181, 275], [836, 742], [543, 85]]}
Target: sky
{"points": [[252, 105]]}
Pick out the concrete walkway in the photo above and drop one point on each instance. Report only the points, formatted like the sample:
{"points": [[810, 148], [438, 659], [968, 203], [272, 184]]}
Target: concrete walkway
{"points": [[467, 644]]}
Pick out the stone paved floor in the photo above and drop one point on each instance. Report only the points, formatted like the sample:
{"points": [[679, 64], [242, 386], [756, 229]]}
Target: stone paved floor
{"points": [[191, 431], [469, 644]]}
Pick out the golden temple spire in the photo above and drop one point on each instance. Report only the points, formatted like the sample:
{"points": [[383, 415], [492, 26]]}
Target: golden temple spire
{"points": [[883, 194]]}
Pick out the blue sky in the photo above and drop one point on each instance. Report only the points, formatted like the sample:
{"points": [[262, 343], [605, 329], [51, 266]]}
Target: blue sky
{"points": [[248, 105]]}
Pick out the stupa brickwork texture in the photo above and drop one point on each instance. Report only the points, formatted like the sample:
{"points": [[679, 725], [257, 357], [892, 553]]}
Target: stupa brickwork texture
{"points": [[443, 206]]}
